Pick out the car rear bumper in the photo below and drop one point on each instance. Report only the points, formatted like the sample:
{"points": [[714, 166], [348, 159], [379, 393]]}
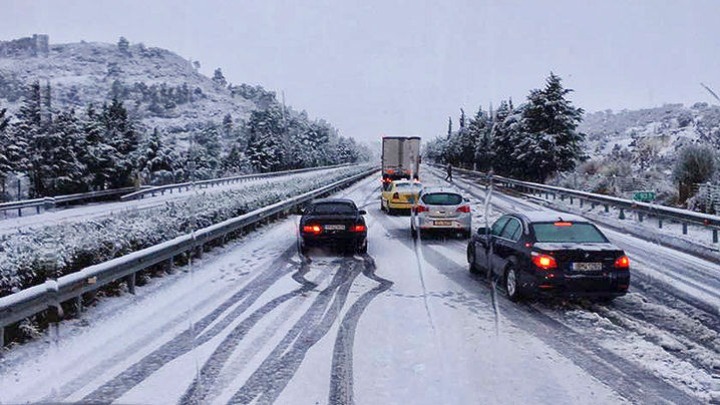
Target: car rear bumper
{"points": [[458, 224], [334, 239], [611, 285]]}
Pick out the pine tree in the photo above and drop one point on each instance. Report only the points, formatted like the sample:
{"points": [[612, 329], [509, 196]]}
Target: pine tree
{"points": [[123, 45], [550, 142], [6, 150], [218, 78], [29, 134], [62, 170], [504, 134], [479, 129], [265, 148], [119, 134], [155, 160]]}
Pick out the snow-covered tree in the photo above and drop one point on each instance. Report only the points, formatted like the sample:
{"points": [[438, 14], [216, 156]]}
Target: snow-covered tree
{"points": [[123, 45], [504, 134], [119, 133], [29, 132], [218, 78], [695, 164], [479, 129], [265, 148], [550, 141], [155, 159], [62, 170]]}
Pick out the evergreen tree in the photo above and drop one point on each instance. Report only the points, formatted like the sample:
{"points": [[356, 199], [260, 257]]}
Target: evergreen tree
{"points": [[6, 151], [119, 134], [695, 164], [155, 160], [205, 152], [29, 134], [98, 157], [479, 129], [265, 148], [218, 78], [61, 168], [550, 141], [504, 134], [123, 45]]}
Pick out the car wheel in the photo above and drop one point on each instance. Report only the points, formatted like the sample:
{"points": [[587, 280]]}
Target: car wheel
{"points": [[303, 249], [390, 211], [471, 260], [362, 248], [512, 286], [605, 300]]}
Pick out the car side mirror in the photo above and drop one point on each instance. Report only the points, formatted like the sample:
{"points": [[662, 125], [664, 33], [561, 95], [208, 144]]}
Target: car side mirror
{"points": [[482, 231], [466, 200], [299, 211], [362, 212]]}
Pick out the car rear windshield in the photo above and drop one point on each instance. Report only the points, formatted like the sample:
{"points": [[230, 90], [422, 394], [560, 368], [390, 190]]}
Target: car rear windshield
{"points": [[333, 209], [574, 232], [407, 186], [442, 199]]}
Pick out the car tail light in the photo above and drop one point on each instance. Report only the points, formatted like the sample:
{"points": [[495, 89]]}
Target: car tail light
{"points": [[622, 262], [358, 228], [314, 229], [396, 196], [421, 208], [543, 261], [563, 224], [464, 208]]}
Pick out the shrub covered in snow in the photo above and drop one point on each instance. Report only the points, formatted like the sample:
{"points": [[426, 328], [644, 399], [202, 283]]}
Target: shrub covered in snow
{"points": [[29, 258]]}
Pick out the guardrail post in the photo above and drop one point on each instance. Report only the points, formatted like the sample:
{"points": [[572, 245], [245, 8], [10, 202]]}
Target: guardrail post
{"points": [[607, 208], [2, 337], [78, 305], [641, 216], [562, 197], [715, 236], [684, 228], [622, 213], [659, 222], [199, 252], [131, 283], [581, 203], [169, 265], [571, 200]]}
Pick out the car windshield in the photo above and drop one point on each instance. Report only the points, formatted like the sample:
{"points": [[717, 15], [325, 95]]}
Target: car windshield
{"points": [[568, 232], [333, 209], [442, 199]]}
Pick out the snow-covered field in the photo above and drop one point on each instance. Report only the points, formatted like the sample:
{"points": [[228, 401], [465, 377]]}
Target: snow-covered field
{"points": [[253, 322]]}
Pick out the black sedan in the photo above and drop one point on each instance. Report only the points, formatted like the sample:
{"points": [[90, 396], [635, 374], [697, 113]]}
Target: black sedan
{"points": [[546, 253], [333, 222]]}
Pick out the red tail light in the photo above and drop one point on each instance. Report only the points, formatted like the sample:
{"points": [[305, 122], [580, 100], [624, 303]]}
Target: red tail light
{"points": [[421, 208], [395, 196], [358, 228], [314, 229], [622, 262], [545, 262], [464, 208]]}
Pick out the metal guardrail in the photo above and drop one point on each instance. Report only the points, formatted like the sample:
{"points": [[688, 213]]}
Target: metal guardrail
{"points": [[33, 300], [214, 182], [50, 202], [682, 216]]}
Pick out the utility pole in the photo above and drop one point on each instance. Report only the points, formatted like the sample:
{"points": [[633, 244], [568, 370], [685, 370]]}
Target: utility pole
{"points": [[711, 92]]}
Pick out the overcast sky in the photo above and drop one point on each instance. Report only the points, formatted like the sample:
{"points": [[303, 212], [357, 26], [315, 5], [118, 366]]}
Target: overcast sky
{"points": [[375, 67]]}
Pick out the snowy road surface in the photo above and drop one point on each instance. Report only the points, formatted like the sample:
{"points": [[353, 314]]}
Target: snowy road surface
{"points": [[253, 322]]}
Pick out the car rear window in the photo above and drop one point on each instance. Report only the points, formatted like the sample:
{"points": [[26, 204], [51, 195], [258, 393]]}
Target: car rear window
{"points": [[333, 209], [407, 186], [442, 199], [577, 232]]}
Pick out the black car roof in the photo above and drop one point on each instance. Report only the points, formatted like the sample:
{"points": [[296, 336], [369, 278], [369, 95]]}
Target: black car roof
{"points": [[547, 216], [333, 200]]}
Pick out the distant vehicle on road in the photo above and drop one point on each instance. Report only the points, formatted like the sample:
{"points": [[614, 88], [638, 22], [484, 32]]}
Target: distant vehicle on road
{"points": [[549, 253], [335, 223], [400, 158], [439, 209], [400, 195]]}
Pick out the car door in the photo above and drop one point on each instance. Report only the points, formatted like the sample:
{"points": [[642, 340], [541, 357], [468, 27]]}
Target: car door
{"points": [[505, 246], [385, 195], [484, 243]]}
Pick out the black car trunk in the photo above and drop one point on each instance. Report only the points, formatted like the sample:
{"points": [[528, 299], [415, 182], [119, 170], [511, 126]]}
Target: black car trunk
{"points": [[582, 258]]}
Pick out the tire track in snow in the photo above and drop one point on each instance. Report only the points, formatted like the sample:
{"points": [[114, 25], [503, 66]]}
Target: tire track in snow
{"points": [[276, 371], [204, 382], [341, 378], [189, 339]]}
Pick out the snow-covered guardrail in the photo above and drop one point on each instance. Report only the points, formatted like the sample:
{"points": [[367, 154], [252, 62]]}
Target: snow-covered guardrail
{"points": [[50, 202], [51, 294], [152, 191], [624, 206]]}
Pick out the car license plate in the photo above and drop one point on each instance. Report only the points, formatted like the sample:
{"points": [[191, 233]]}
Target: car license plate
{"points": [[594, 266], [442, 223], [332, 227]]}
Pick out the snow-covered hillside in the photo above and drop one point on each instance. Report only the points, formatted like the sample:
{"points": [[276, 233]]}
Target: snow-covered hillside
{"points": [[158, 86], [659, 131]]}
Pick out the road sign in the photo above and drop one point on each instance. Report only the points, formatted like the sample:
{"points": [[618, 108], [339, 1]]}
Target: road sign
{"points": [[644, 196]]}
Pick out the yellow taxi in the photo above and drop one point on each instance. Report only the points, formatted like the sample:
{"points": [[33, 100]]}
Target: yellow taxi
{"points": [[400, 195]]}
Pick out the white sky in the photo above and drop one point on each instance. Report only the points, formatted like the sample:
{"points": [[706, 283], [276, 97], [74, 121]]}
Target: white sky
{"points": [[375, 67]]}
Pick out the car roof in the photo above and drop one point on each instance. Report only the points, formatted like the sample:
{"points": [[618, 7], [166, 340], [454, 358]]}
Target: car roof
{"points": [[436, 189], [548, 216], [333, 200]]}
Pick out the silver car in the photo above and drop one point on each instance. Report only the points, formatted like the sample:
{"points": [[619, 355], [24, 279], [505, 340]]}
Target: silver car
{"points": [[440, 209]]}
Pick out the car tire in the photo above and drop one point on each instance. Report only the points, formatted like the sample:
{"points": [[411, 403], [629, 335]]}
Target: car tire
{"points": [[512, 286], [413, 232], [362, 248], [471, 260], [303, 249]]}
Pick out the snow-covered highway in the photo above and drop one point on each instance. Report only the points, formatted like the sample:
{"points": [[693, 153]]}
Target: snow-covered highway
{"points": [[253, 322]]}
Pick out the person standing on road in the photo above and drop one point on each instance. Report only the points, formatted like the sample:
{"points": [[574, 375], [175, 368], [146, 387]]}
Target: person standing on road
{"points": [[449, 173]]}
